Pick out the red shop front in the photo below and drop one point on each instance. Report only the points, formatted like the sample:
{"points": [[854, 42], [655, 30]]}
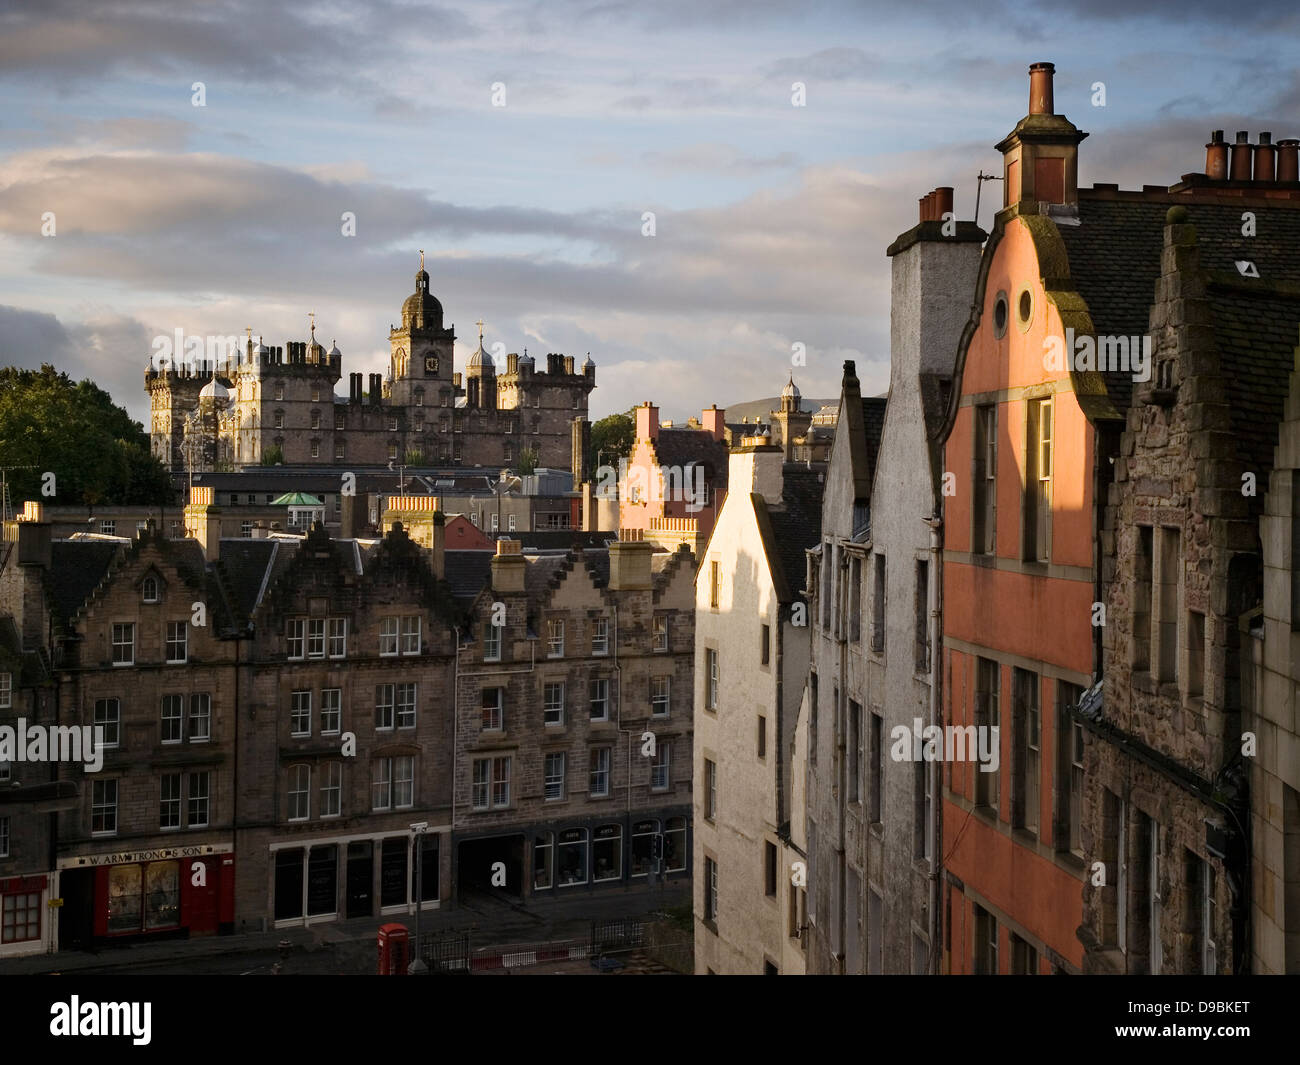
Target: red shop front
{"points": [[156, 896]]}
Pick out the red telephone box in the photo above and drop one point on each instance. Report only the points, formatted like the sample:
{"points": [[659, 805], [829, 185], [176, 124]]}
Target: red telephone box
{"points": [[394, 948]]}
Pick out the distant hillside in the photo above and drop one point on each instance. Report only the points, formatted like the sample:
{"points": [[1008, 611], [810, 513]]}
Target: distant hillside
{"points": [[761, 408]]}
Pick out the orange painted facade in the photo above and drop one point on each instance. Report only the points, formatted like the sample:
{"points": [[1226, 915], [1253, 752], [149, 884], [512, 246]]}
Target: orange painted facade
{"points": [[1028, 615]]}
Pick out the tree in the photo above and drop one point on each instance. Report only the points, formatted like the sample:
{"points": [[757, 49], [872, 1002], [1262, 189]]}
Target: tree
{"points": [[414, 456], [612, 438], [273, 455], [98, 454], [527, 462]]}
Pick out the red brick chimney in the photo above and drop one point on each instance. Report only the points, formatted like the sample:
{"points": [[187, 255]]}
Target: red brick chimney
{"points": [[647, 421], [713, 422]]}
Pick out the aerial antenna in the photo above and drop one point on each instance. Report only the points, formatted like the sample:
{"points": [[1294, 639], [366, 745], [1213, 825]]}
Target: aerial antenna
{"points": [[979, 187]]}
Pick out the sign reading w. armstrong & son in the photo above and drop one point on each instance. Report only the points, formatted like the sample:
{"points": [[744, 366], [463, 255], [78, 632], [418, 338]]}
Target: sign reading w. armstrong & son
{"points": [[161, 854]]}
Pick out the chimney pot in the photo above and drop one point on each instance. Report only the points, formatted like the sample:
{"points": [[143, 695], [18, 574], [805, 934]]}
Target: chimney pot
{"points": [[1216, 157], [1288, 160], [921, 205], [1241, 153], [1265, 158], [1040, 89], [942, 202]]}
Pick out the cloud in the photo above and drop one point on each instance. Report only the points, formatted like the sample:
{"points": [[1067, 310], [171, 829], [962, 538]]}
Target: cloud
{"points": [[110, 350]]}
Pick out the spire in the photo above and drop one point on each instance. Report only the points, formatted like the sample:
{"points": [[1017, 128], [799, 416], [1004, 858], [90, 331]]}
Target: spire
{"points": [[479, 323], [312, 316]]}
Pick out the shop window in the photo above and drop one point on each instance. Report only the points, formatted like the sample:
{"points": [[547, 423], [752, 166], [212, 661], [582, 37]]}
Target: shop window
{"points": [[571, 858], [20, 920], [643, 837], [607, 853], [288, 884], [393, 877], [322, 880], [675, 844], [543, 850]]}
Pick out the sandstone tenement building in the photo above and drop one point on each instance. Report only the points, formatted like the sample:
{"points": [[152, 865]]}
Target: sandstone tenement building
{"points": [[422, 413]]}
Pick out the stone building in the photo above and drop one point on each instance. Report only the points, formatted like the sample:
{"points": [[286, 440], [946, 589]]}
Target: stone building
{"points": [[239, 407], [1166, 777], [880, 652], [751, 661], [1027, 442], [1270, 681], [574, 715], [675, 479], [836, 818]]}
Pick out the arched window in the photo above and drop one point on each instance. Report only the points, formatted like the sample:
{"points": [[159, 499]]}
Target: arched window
{"points": [[643, 834], [150, 589]]}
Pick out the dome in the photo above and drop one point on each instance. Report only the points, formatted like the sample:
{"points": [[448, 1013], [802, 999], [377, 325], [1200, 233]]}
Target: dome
{"points": [[790, 391], [214, 391], [481, 360], [421, 310], [334, 352], [590, 364], [526, 359]]}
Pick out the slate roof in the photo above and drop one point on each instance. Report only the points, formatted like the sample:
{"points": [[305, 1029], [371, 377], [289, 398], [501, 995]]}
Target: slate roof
{"points": [[76, 569], [468, 572], [873, 423], [1256, 334], [791, 527], [681, 447], [1114, 256], [243, 567]]}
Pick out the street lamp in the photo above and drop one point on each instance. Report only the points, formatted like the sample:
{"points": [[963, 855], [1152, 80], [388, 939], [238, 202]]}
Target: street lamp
{"points": [[417, 966]]}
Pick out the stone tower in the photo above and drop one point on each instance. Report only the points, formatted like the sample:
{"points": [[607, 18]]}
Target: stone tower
{"points": [[421, 359], [791, 422]]}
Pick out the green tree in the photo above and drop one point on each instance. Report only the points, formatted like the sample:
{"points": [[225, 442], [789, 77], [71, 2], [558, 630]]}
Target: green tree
{"points": [[612, 438], [96, 451], [273, 455], [527, 461], [414, 456]]}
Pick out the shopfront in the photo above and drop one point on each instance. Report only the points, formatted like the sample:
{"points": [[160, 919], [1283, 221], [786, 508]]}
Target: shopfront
{"points": [[172, 891], [23, 909]]}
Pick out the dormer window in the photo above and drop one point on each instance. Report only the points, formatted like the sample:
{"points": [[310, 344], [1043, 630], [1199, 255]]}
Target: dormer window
{"points": [[149, 589]]}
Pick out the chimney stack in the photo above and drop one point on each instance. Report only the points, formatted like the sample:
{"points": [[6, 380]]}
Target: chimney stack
{"points": [[714, 422], [508, 567], [439, 545], [647, 421], [1040, 89], [629, 565], [1288, 160], [1216, 157], [1265, 158], [1241, 154]]}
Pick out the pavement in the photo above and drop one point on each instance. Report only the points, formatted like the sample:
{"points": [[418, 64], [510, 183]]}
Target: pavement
{"points": [[349, 947]]}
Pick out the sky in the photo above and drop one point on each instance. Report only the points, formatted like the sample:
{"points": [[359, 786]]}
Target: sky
{"points": [[521, 146]]}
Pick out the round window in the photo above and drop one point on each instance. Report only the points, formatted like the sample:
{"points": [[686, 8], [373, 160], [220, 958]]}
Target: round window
{"points": [[1000, 314], [1026, 307]]}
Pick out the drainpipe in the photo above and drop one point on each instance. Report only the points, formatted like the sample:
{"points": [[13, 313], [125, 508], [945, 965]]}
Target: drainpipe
{"points": [[618, 717], [936, 679]]}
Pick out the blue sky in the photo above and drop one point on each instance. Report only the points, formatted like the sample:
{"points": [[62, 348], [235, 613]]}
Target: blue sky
{"points": [[771, 220]]}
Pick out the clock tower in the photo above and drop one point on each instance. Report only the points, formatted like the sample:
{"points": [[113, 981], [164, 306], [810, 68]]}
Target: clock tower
{"points": [[421, 349]]}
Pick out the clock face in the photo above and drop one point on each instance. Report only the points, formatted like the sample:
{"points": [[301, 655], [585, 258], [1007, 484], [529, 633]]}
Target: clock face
{"points": [[430, 364]]}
